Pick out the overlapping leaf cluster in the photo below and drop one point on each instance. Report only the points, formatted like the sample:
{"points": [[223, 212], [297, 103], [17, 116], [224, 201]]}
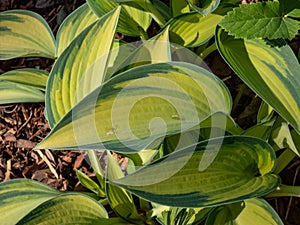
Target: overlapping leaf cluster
{"points": [[194, 162]]}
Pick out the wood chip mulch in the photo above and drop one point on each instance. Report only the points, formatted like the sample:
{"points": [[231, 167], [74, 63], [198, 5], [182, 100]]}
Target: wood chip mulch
{"points": [[22, 126]]}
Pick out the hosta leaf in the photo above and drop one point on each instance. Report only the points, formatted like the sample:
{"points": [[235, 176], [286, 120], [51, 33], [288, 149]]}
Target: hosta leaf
{"points": [[154, 50], [163, 9], [67, 209], [27, 202], [217, 125], [177, 216], [31, 77], [296, 138], [133, 20], [265, 113], [222, 121], [179, 141], [119, 199], [147, 6], [204, 7], [199, 215], [139, 106], [20, 196], [179, 7], [25, 33], [260, 20], [193, 29], [240, 169], [173, 216], [93, 160], [78, 70], [76, 22], [23, 85], [283, 160], [140, 158], [87, 182], [12, 92], [262, 130], [157, 47], [249, 212], [282, 138], [272, 72], [119, 53], [225, 214], [285, 190]]}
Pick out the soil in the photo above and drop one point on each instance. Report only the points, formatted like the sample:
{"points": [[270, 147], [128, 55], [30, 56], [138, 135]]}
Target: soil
{"points": [[22, 126]]}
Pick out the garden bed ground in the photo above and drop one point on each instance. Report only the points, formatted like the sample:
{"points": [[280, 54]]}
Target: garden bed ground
{"points": [[22, 126]]}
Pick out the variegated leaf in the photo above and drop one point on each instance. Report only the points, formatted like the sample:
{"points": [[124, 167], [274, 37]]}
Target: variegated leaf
{"points": [[133, 109], [81, 67], [76, 22], [241, 169], [25, 33], [270, 69]]}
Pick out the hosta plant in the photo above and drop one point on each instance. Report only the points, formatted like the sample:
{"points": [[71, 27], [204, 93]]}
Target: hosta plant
{"points": [[154, 102]]}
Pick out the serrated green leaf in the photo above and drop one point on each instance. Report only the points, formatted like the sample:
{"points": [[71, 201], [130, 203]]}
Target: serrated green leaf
{"points": [[294, 13], [272, 72], [11, 92], [76, 22], [133, 20], [81, 67], [31, 77], [180, 94], [241, 169], [260, 20], [250, 212], [192, 29], [204, 7], [25, 33], [119, 199]]}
